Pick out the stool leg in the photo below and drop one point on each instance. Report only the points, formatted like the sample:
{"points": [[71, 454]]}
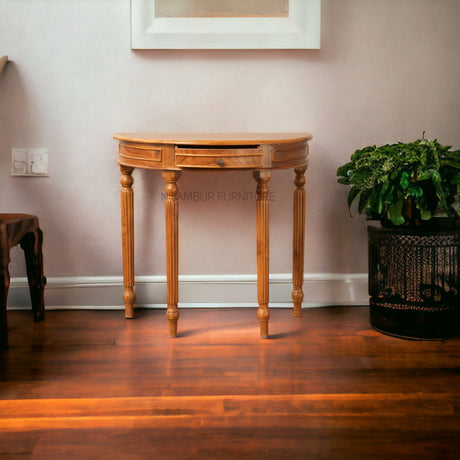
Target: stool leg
{"points": [[262, 213], [31, 244], [298, 240], [172, 248], [4, 285]]}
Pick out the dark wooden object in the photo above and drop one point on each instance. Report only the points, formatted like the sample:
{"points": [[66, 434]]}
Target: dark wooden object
{"points": [[414, 282], [85, 385], [21, 229]]}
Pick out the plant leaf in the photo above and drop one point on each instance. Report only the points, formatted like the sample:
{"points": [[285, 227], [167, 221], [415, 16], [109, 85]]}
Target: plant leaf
{"points": [[452, 164], [404, 181], [363, 199], [395, 212], [354, 192], [425, 214], [414, 190], [342, 171], [436, 178]]}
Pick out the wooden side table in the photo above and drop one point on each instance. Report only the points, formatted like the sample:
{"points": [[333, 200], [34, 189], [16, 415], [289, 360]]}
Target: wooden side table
{"points": [[173, 153]]}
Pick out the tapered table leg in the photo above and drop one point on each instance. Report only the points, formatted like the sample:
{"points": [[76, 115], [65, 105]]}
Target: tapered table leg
{"points": [[172, 248], [127, 230], [298, 240], [31, 243], [262, 216]]}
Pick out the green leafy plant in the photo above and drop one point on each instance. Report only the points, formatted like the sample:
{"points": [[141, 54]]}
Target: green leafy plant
{"points": [[405, 184]]}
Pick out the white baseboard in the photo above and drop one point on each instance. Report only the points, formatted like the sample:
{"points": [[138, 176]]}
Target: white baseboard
{"points": [[216, 291]]}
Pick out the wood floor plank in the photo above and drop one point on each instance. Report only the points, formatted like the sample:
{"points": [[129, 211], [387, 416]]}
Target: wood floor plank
{"points": [[250, 444], [89, 384], [234, 405]]}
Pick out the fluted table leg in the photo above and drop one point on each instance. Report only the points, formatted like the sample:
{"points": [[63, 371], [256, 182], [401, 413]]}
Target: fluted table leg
{"points": [[262, 216], [298, 240], [127, 229], [172, 248]]}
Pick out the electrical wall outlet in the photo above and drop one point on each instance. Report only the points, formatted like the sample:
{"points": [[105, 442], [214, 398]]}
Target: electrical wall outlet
{"points": [[19, 162], [29, 162]]}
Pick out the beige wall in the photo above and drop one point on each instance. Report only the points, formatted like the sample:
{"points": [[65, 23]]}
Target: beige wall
{"points": [[386, 71]]}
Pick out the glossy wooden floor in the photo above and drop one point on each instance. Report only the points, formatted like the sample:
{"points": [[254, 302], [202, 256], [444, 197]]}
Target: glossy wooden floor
{"points": [[92, 385]]}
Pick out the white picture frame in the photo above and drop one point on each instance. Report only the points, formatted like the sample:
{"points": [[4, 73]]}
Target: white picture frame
{"points": [[299, 29]]}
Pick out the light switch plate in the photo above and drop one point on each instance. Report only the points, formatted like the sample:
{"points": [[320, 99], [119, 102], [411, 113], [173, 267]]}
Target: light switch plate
{"points": [[38, 161]]}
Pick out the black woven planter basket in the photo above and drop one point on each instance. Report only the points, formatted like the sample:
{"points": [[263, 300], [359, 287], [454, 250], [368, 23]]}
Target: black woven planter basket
{"points": [[414, 282]]}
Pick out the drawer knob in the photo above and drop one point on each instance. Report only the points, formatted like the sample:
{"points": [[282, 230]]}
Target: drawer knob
{"points": [[220, 162]]}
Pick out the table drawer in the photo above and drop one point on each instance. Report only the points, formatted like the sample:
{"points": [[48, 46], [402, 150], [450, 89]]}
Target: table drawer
{"points": [[218, 158], [145, 154]]}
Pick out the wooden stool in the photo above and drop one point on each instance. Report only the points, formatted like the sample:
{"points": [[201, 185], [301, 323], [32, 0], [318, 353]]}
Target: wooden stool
{"points": [[21, 229]]}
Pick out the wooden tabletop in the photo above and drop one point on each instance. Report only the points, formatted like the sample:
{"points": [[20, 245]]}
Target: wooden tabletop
{"points": [[3, 61], [213, 138]]}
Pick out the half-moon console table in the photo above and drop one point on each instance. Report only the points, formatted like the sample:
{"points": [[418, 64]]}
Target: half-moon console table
{"points": [[173, 153]]}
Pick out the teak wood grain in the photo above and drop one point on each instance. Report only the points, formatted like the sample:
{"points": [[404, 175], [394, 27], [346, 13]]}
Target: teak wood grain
{"points": [[213, 139], [84, 384], [172, 247], [127, 227], [298, 240], [171, 153]]}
